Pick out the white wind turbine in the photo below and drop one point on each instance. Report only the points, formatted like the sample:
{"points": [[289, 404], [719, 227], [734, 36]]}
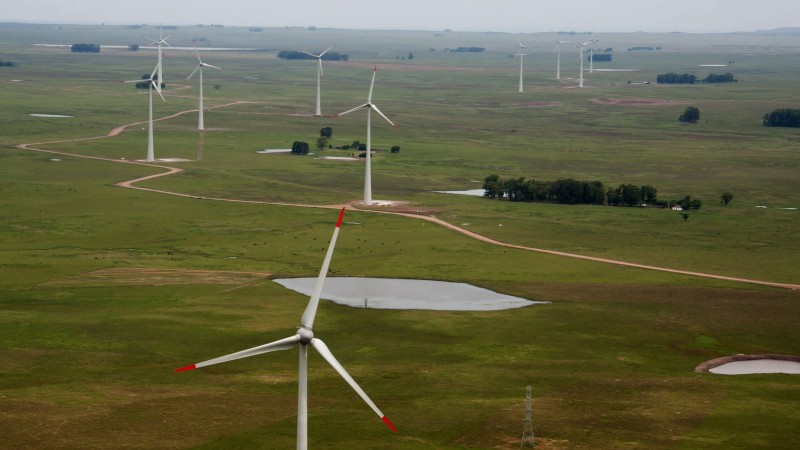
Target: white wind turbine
{"points": [[557, 51], [582, 46], [370, 107], [521, 58], [160, 41], [200, 66], [591, 54], [320, 75], [304, 337], [152, 83]]}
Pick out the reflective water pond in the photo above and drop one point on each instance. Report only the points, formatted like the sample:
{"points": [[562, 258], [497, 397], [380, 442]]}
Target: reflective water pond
{"points": [[389, 293]]}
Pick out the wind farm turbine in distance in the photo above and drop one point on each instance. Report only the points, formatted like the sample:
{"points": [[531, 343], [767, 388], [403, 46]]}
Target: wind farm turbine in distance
{"points": [[591, 54], [200, 66], [153, 83], [557, 51], [161, 41], [320, 75], [582, 46], [521, 58], [370, 107], [304, 337]]}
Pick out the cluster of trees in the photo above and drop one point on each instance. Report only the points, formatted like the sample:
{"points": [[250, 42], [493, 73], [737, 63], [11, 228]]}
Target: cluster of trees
{"points": [[690, 115], [601, 57], [330, 56], [573, 192], [674, 78], [133, 47], [465, 49], [720, 78], [146, 84], [783, 118], [85, 48], [8, 64], [645, 49], [299, 148], [256, 30]]}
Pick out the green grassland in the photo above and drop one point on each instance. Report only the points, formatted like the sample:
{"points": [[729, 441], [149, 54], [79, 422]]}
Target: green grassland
{"points": [[87, 364]]}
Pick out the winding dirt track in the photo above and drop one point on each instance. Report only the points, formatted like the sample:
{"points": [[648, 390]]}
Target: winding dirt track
{"points": [[131, 184]]}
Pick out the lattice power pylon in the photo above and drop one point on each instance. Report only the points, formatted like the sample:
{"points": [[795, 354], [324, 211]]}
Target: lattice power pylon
{"points": [[527, 428]]}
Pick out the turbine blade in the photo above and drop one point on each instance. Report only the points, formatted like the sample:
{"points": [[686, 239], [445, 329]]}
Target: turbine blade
{"points": [[375, 108], [326, 50], [365, 105], [307, 321], [372, 85], [156, 84], [283, 344], [197, 52], [310, 54], [325, 352], [321, 73], [154, 71], [195, 70], [213, 67]]}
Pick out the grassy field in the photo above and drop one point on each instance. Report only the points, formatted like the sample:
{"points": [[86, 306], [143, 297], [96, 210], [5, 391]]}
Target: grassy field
{"points": [[89, 340]]}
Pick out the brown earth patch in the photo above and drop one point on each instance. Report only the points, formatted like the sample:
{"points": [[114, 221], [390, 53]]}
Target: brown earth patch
{"points": [[635, 101], [157, 277], [539, 104]]}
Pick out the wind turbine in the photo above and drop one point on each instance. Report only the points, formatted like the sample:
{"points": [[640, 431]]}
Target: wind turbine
{"points": [[320, 75], [370, 107], [161, 41], [591, 54], [200, 65], [557, 51], [304, 337], [153, 83], [580, 80], [521, 58]]}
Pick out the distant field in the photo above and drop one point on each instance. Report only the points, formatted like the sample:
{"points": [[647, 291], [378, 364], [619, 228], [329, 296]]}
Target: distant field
{"points": [[106, 290]]}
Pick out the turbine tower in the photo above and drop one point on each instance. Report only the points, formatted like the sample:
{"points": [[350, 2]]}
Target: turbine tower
{"points": [[161, 41], [580, 79], [152, 83], [320, 75], [591, 54], [370, 107], [557, 51], [304, 337], [521, 58], [200, 66]]}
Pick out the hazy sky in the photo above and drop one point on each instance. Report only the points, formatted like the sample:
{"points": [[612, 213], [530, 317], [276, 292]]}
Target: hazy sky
{"points": [[463, 15]]}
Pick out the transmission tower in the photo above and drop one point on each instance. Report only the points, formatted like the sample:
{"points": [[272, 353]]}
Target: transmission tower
{"points": [[527, 428]]}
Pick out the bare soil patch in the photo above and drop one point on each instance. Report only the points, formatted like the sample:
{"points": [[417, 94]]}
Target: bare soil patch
{"points": [[157, 277]]}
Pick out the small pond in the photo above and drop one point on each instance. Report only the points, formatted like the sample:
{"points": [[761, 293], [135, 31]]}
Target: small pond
{"points": [[389, 293], [475, 192], [757, 366]]}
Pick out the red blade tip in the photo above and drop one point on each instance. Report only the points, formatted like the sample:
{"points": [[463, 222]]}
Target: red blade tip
{"points": [[341, 216], [388, 423], [184, 369]]}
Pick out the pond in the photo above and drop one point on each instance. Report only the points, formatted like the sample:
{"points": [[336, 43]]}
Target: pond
{"points": [[757, 366], [389, 293], [475, 192]]}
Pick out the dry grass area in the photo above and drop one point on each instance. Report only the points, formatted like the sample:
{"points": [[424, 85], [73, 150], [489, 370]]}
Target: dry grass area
{"points": [[133, 276]]}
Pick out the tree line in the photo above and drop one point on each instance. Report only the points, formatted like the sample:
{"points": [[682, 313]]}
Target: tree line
{"points": [[85, 48], [600, 57], [574, 192], [686, 78], [8, 63], [330, 56], [783, 117], [465, 49]]}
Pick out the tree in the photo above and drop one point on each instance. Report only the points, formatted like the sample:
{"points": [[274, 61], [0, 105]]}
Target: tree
{"points": [[85, 48], [492, 187], [326, 132], [133, 47], [726, 198], [300, 148], [395, 149], [322, 142], [690, 115], [410, 55], [783, 117]]}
